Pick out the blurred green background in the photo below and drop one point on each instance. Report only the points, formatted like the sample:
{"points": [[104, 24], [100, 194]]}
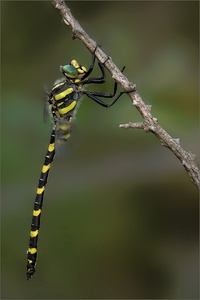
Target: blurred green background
{"points": [[120, 215]]}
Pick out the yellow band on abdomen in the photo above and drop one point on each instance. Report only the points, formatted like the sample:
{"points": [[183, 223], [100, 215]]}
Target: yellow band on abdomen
{"points": [[40, 190], [32, 250], [51, 147], [45, 168], [33, 233], [36, 213]]}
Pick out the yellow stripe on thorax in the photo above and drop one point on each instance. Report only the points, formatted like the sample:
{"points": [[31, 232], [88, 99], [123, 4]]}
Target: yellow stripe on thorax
{"points": [[58, 85], [59, 104], [63, 94], [66, 109]]}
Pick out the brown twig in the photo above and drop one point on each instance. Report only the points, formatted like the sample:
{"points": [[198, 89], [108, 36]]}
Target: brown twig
{"points": [[150, 124]]}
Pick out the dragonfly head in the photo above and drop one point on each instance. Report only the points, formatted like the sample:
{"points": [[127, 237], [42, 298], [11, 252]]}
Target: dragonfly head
{"points": [[73, 71]]}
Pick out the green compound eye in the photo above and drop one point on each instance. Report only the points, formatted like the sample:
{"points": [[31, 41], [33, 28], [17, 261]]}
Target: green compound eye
{"points": [[69, 71]]}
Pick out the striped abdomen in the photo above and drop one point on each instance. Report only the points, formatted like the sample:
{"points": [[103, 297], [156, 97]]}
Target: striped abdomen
{"points": [[35, 225]]}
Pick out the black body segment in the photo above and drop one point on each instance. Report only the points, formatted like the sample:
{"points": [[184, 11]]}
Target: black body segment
{"points": [[62, 103]]}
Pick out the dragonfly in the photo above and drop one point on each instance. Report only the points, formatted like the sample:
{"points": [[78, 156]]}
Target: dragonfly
{"points": [[62, 102]]}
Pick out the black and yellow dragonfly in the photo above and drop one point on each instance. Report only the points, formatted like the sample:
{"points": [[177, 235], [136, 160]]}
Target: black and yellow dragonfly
{"points": [[62, 103]]}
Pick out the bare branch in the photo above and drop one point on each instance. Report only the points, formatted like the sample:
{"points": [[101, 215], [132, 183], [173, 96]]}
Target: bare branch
{"points": [[150, 124], [138, 125]]}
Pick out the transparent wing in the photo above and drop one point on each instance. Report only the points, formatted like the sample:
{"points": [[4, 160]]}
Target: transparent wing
{"points": [[46, 111], [63, 132]]}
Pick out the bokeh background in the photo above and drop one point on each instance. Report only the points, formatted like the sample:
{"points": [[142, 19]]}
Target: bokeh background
{"points": [[120, 215]]}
